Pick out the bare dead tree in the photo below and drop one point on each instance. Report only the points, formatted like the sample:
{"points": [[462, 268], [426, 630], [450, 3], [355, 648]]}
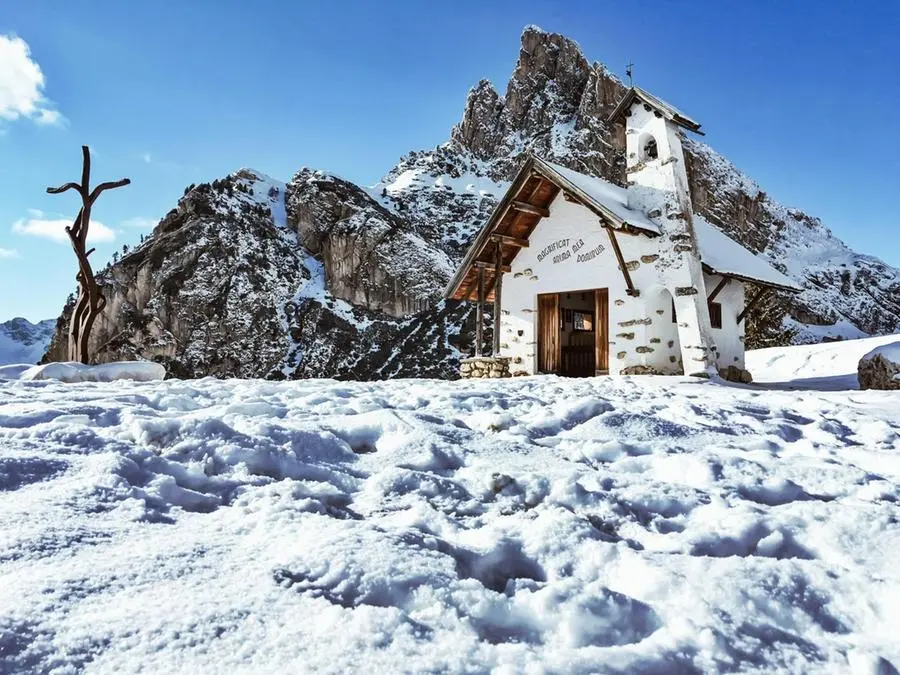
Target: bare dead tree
{"points": [[90, 301]]}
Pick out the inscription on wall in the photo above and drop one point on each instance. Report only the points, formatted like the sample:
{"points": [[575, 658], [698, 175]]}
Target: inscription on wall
{"points": [[563, 250]]}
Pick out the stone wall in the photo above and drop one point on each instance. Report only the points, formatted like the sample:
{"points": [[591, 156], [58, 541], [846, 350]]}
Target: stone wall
{"points": [[483, 367]]}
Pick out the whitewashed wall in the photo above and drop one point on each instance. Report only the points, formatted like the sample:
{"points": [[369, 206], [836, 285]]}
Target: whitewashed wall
{"points": [[565, 243], [729, 338], [641, 330]]}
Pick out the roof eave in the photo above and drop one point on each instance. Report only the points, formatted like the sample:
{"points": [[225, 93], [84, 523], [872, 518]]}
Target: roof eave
{"points": [[751, 280], [597, 207], [633, 93], [489, 226]]}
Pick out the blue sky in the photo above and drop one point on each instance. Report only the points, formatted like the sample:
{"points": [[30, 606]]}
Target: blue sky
{"points": [[803, 96]]}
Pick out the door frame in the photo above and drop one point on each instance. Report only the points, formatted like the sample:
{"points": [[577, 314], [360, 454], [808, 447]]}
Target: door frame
{"points": [[543, 350], [601, 330]]}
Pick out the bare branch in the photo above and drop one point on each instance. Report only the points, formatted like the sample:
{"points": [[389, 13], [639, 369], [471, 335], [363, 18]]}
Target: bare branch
{"points": [[74, 230], [107, 186], [89, 252], [85, 169], [63, 188]]}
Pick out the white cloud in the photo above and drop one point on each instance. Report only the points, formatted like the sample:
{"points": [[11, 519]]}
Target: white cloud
{"points": [[9, 253], [39, 224], [22, 85]]}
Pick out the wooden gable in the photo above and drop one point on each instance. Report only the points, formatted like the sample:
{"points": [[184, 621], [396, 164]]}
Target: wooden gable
{"points": [[508, 231], [514, 219]]}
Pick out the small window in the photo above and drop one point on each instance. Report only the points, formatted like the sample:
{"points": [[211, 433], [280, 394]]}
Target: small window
{"points": [[583, 321], [650, 149], [715, 314], [674, 314]]}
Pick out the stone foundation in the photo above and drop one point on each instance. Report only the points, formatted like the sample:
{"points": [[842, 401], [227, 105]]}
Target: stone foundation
{"points": [[484, 366], [640, 370], [735, 374]]}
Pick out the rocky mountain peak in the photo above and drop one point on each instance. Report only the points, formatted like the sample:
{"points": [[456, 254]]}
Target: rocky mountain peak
{"points": [[546, 89], [483, 126], [548, 81]]}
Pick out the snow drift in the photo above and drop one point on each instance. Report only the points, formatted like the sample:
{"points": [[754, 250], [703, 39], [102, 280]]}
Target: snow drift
{"points": [[73, 371], [652, 525]]}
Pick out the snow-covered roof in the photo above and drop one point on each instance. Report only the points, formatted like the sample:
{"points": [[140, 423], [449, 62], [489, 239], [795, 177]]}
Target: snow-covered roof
{"points": [[723, 255], [603, 194], [667, 110], [719, 253]]}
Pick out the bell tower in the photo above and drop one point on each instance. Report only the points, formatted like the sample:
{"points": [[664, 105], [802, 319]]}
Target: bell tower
{"points": [[657, 185]]}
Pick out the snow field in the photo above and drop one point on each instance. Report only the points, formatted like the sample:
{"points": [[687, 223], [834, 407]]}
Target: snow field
{"points": [[623, 525], [826, 365]]}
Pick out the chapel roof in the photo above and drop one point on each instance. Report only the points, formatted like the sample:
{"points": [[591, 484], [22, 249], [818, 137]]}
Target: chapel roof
{"points": [[528, 199], [722, 255], [520, 210], [667, 110]]}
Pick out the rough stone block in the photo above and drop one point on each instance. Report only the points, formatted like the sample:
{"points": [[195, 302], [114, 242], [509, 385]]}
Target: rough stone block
{"points": [[685, 290], [877, 371], [640, 370], [636, 322], [649, 258], [736, 374]]}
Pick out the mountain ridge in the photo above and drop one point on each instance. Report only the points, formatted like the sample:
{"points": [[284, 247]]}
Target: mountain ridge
{"points": [[24, 342]]}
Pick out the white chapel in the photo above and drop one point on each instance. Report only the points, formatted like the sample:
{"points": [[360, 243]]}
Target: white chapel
{"points": [[591, 278]]}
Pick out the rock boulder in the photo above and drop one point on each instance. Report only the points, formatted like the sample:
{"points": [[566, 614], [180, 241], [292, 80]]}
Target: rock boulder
{"points": [[880, 368]]}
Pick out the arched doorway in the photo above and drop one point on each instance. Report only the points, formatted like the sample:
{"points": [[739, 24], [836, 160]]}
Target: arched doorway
{"points": [[666, 354]]}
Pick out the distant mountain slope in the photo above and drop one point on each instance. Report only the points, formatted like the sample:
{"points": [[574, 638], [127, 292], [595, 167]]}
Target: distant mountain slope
{"points": [[24, 342], [248, 276]]}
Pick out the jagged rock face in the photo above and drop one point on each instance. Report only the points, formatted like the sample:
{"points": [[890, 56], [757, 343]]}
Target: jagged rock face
{"points": [[206, 293], [371, 256], [880, 369], [319, 277], [227, 286]]}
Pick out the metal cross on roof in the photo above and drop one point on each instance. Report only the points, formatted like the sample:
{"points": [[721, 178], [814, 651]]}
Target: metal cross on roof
{"points": [[628, 73]]}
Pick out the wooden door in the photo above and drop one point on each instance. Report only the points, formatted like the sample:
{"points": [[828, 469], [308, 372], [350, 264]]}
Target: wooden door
{"points": [[601, 328], [548, 333]]}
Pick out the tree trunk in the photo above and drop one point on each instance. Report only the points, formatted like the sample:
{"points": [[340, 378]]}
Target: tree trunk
{"points": [[90, 296]]}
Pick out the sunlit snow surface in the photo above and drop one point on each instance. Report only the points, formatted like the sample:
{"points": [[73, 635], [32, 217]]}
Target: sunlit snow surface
{"points": [[633, 525]]}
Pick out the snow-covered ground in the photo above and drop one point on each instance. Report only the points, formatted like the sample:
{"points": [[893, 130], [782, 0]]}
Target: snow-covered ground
{"points": [[627, 525]]}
